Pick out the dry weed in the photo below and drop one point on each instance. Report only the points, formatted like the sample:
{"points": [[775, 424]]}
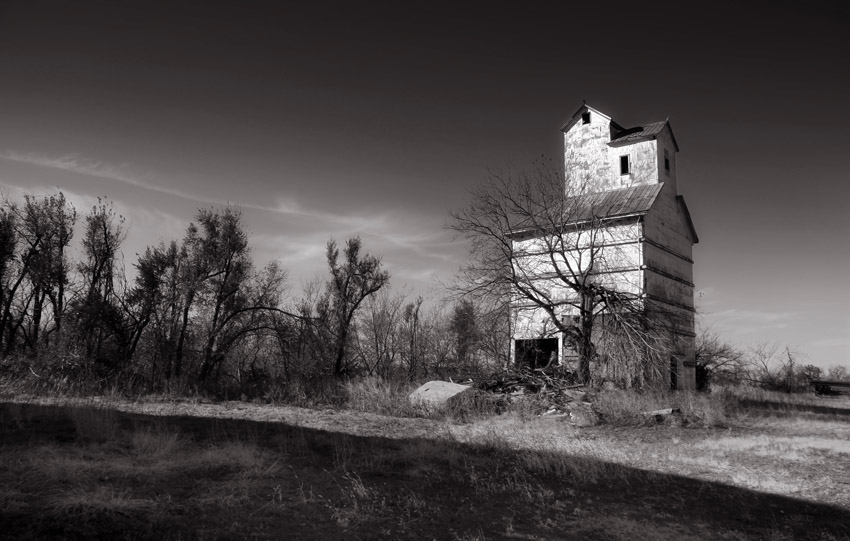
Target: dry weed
{"points": [[99, 500], [376, 395], [156, 442], [94, 422]]}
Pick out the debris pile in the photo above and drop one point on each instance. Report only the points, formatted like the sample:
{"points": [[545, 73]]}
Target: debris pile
{"points": [[556, 389]]}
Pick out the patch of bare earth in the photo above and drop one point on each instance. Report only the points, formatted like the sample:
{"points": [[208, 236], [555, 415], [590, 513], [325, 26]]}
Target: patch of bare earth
{"points": [[109, 469]]}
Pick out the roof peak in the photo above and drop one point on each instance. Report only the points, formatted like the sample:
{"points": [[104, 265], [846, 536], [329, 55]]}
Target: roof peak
{"points": [[650, 129], [577, 115]]}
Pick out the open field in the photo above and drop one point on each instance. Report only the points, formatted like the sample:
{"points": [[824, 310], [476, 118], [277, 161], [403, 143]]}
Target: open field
{"points": [[112, 469]]}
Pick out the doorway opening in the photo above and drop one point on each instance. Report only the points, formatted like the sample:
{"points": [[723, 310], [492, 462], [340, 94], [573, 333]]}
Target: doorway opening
{"points": [[538, 353]]}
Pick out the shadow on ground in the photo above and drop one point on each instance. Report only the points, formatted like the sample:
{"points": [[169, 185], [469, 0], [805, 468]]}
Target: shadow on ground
{"points": [[277, 481]]}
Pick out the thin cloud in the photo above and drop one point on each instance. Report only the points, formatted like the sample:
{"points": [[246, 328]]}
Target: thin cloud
{"points": [[126, 175], [751, 321], [76, 164], [403, 237]]}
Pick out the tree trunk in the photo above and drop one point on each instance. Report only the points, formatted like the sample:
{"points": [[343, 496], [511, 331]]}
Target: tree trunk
{"points": [[178, 361], [585, 342]]}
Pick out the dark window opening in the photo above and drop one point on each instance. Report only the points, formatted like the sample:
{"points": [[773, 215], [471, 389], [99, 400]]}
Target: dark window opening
{"points": [[674, 374], [585, 117], [666, 161], [624, 165], [536, 353]]}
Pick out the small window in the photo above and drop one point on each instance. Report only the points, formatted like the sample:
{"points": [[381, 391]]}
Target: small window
{"points": [[666, 161], [624, 165], [585, 117]]}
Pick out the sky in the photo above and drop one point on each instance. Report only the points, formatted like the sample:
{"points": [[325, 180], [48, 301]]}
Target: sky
{"points": [[327, 119]]}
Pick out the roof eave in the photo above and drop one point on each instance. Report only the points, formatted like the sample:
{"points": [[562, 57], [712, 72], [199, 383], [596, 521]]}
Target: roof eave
{"points": [[610, 218], [616, 144]]}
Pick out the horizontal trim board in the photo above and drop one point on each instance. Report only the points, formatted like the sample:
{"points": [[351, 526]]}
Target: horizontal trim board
{"points": [[667, 275], [582, 225], [670, 303], [668, 250], [552, 274], [600, 246]]}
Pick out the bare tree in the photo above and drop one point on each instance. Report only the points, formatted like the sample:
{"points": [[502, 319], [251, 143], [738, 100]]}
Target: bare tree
{"points": [[774, 367], [556, 256], [718, 362], [411, 331], [206, 292], [34, 269], [838, 372], [436, 343], [98, 317], [466, 332], [352, 281], [379, 337]]}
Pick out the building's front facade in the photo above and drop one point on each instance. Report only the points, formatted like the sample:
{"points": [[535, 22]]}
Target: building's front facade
{"points": [[627, 177]]}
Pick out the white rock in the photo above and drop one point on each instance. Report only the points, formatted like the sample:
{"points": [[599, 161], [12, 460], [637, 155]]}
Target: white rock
{"points": [[436, 393]]}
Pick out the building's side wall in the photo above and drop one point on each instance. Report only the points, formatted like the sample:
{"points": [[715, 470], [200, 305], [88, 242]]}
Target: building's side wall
{"points": [[643, 164], [591, 165], [669, 276], [586, 163], [580, 248], [664, 260], [665, 142]]}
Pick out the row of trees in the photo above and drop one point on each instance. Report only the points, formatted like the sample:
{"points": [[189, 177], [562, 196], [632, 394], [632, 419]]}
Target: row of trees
{"points": [[198, 310], [765, 365]]}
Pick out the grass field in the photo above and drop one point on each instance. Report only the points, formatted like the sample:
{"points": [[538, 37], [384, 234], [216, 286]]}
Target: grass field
{"points": [[108, 469]]}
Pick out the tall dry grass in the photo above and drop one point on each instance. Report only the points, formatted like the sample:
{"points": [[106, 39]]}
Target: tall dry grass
{"points": [[156, 442], [629, 407], [376, 395], [94, 421], [387, 397]]}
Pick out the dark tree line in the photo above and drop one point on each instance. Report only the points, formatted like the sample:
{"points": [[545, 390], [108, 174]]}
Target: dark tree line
{"points": [[197, 313]]}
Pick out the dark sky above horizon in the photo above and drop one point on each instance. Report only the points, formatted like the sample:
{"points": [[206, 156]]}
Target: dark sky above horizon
{"points": [[333, 119]]}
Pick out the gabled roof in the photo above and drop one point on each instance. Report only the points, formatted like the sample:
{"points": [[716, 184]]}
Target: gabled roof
{"points": [[642, 133], [621, 135], [610, 205], [635, 200], [638, 133]]}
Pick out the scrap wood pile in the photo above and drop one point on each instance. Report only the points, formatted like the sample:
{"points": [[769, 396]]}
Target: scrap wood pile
{"points": [[556, 388]]}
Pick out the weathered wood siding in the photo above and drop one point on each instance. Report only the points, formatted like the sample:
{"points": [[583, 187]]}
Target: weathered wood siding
{"points": [[591, 165], [617, 261], [669, 250], [643, 159], [665, 142], [587, 164]]}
